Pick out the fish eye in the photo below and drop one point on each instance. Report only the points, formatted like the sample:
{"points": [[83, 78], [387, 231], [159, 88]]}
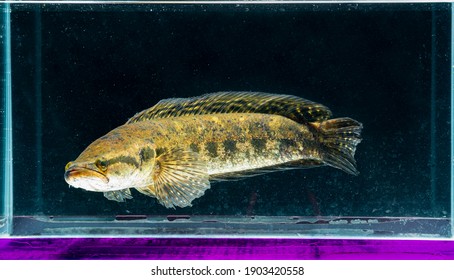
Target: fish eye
{"points": [[68, 165], [101, 164]]}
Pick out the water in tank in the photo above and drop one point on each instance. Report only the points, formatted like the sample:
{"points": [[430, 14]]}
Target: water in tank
{"points": [[283, 119]]}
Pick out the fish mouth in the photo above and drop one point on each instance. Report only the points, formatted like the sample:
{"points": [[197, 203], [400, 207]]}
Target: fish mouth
{"points": [[76, 173]]}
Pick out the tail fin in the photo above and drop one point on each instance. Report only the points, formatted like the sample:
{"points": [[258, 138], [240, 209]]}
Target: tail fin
{"points": [[339, 138]]}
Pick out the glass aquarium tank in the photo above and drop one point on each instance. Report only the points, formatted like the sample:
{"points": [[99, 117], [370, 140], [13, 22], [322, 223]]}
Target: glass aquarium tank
{"points": [[71, 71]]}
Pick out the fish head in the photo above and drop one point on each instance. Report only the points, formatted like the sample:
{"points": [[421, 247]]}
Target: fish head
{"points": [[113, 162]]}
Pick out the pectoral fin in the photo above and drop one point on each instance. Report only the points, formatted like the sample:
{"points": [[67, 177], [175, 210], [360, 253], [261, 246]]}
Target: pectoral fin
{"points": [[147, 191], [179, 177], [119, 196]]}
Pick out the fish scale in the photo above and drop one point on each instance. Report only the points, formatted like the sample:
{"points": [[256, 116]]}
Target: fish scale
{"points": [[216, 129], [173, 150]]}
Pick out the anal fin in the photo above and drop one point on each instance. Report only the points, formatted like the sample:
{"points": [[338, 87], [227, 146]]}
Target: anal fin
{"points": [[238, 175]]}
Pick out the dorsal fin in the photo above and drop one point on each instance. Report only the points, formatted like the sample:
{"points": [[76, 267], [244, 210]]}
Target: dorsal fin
{"points": [[292, 107]]}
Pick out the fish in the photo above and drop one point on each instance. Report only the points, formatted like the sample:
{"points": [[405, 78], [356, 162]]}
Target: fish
{"points": [[176, 149]]}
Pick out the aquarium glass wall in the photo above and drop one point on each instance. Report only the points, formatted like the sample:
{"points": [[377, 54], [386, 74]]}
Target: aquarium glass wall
{"points": [[5, 123], [79, 71]]}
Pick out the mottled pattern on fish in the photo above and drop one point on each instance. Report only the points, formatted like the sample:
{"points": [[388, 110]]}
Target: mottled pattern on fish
{"points": [[172, 150], [231, 143]]}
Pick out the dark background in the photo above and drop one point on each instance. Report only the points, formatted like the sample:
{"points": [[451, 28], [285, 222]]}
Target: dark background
{"points": [[79, 73]]}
